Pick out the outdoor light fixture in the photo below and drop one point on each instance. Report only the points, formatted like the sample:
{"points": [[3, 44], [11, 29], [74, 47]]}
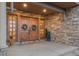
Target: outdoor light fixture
{"points": [[25, 5], [44, 10]]}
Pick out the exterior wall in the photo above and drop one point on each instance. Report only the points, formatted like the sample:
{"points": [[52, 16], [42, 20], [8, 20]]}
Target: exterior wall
{"points": [[72, 23], [54, 24], [65, 30]]}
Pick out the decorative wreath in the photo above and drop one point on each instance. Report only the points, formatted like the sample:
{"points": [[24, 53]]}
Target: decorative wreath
{"points": [[33, 27], [24, 27]]}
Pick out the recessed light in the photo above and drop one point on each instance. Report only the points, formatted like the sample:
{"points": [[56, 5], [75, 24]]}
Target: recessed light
{"points": [[44, 10], [25, 5]]}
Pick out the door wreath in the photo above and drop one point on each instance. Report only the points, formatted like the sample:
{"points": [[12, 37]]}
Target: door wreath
{"points": [[33, 27], [24, 27]]}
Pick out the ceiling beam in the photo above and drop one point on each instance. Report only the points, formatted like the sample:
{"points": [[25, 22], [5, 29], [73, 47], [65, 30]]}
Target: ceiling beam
{"points": [[77, 3], [50, 7]]}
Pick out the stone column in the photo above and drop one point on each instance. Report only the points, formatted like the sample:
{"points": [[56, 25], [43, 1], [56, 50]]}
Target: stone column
{"points": [[3, 28]]}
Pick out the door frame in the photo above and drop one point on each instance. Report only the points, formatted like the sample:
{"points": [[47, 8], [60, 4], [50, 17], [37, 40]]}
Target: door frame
{"points": [[19, 15]]}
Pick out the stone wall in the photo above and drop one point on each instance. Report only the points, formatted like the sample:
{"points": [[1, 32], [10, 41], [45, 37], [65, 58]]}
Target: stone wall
{"points": [[65, 30], [54, 24], [72, 22]]}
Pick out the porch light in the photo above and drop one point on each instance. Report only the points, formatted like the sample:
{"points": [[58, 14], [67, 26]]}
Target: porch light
{"points": [[44, 10], [25, 5]]}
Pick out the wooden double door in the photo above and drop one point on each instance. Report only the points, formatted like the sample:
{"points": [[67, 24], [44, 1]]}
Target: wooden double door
{"points": [[21, 28], [28, 29]]}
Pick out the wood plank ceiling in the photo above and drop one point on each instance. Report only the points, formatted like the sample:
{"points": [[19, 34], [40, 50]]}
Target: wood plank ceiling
{"points": [[31, 8], [63, 5], [39, 9]]}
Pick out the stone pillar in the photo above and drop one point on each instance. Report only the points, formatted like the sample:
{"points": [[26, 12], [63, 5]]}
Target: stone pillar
{"points": [[3, 29]]}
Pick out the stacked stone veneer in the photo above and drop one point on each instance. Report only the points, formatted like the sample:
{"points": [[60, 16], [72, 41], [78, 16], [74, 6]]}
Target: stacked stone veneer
{"points": [[54, 23], [72, 22], [65, 30]]}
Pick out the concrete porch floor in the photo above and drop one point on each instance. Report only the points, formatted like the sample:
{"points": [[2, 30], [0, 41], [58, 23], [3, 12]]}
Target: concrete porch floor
{"points": [[42, 49]]}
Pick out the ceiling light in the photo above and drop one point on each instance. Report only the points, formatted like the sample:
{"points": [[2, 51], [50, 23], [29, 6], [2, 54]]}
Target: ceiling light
{"points": [[25, 5], [44, 10]]}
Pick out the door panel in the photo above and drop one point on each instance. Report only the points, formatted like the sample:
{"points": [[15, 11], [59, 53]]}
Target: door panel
{"points": [[34, 29], [22, 30]]}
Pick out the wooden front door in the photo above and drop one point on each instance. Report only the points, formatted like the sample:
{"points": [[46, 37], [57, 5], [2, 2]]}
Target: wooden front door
{"points": [[23, 29], [33, 29], [27, 29]]}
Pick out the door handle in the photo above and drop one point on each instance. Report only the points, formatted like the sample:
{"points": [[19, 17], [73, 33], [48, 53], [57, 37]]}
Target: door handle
{"points": [[29, 31]]}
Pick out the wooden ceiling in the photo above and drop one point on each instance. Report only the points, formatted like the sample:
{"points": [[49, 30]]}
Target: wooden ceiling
{"points": [[33, 8], [63, 5]]}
